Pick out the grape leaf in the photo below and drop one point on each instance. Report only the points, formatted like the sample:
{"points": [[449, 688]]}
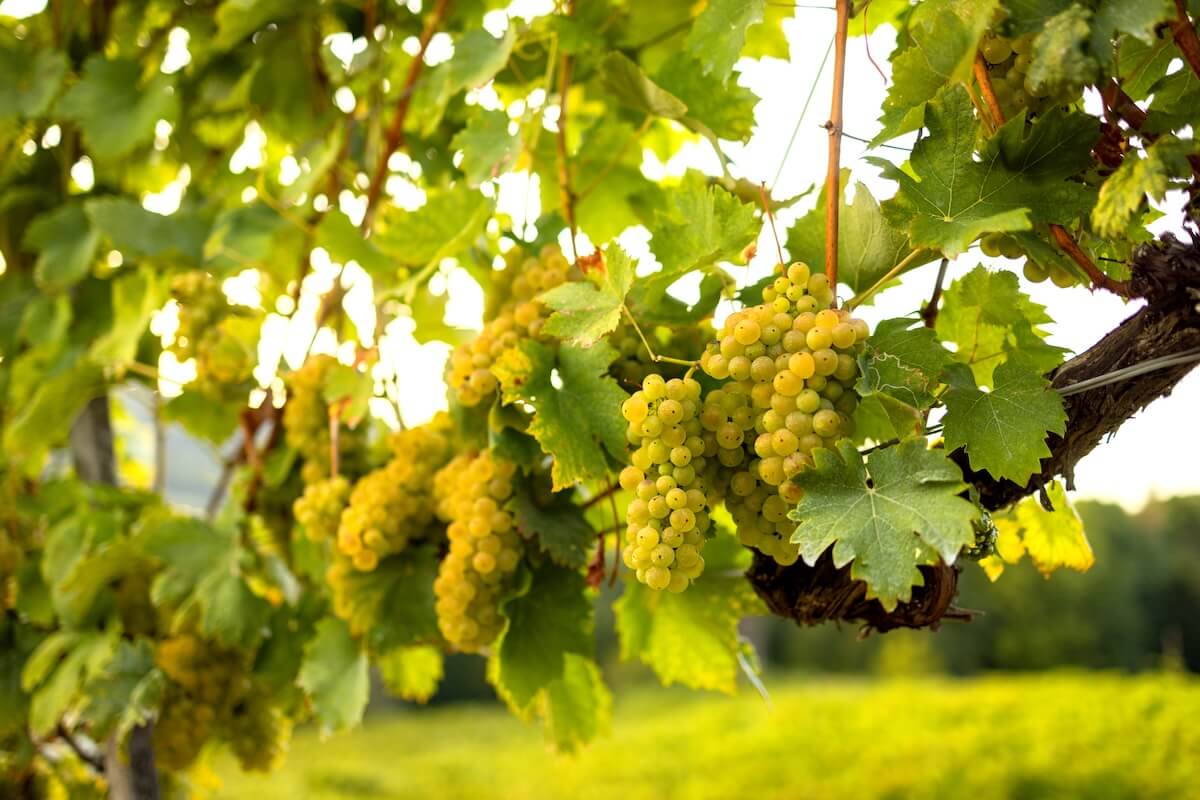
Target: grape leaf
{"points": [[724, 107], [1054, 147], [478, 56], [988, 318], [442, 227], [411, 673], [48, 414], [136, 231], [1139, 18], [1053, 539], [576, 405], [488, 147], [55, 685], [584, 311], [136, 296], [1164, 162], [237, 19], [881, 418], [29, 78], [700, 226], [334, 675], [630, 86], [1003, 430], [577, 706], [127, 692], [941, 39], [548, 618], [392, 605], [561, 529], [66, 244], [690, 637], [902, 361], [115, 110], [1060, 60], [950, 198], [867, 245], [898, 509], [338, 235], [200, 576], [719, 33]]}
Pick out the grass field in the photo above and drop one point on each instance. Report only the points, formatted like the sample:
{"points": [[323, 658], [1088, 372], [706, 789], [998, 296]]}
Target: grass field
{"points": [[1040, 736]]}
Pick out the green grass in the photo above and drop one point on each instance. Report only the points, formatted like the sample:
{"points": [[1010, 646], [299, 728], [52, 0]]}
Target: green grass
{"points": [[1051, 736]]}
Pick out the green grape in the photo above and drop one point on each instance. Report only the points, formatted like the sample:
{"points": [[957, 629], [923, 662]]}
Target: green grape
{"points": [[1034, 272], [670, 511], [789, 367], [320, 507], [1061, 278], [182, 729], [207, 332], [520, 317], [485, 548], [204, 681]]}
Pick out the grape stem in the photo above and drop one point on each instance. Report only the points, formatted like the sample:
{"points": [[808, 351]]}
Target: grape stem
{"points": [[1066, 242], [655, 357], [891, 274], [599, 496], [833, 193], [1185, 37], [394, 138], [930, 312]]}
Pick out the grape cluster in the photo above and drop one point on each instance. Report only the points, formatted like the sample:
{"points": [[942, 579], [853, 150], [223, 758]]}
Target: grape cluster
{"points": [[306, 423], [258, 733], [1008, 62], [203, 680], [1001, 244], [788, 369], [668, 518], [521, 316], [320, 507], [391, 505], [485, 548], [207, 333]]}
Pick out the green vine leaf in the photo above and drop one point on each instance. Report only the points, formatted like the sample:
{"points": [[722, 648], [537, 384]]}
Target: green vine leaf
{"points": [[560, 528], [700, 226], [488, 147], [719, 33], [1004, 429], [585, 311], [334, 675], [691, 637], [886, 515], [950, 198], [904, 360], [1053, 538], [576, 405], [393, 605], [66, 245], [29, 79], [411, 673], [550, 617], [578, 706], [115, 109], [1139, 176]]}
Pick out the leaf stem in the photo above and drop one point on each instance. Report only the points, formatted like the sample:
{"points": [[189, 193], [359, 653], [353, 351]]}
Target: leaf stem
{"points": [[833, 167], [903, 264], [655, 357]]}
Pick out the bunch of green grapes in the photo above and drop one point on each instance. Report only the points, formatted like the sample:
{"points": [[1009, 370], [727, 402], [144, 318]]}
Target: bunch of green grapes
{"points": [[258, 733], [485, 548], [1008, 61], [320, 508], [521, 316], [1006, 245], [668, 518], [182, 728], [204, 681], [208, 328], [792, 361], [306, 423], [391, 505]]}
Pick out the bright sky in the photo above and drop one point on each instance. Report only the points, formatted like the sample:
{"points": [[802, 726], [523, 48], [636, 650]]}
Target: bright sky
{"points": [[1152, 454]]}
